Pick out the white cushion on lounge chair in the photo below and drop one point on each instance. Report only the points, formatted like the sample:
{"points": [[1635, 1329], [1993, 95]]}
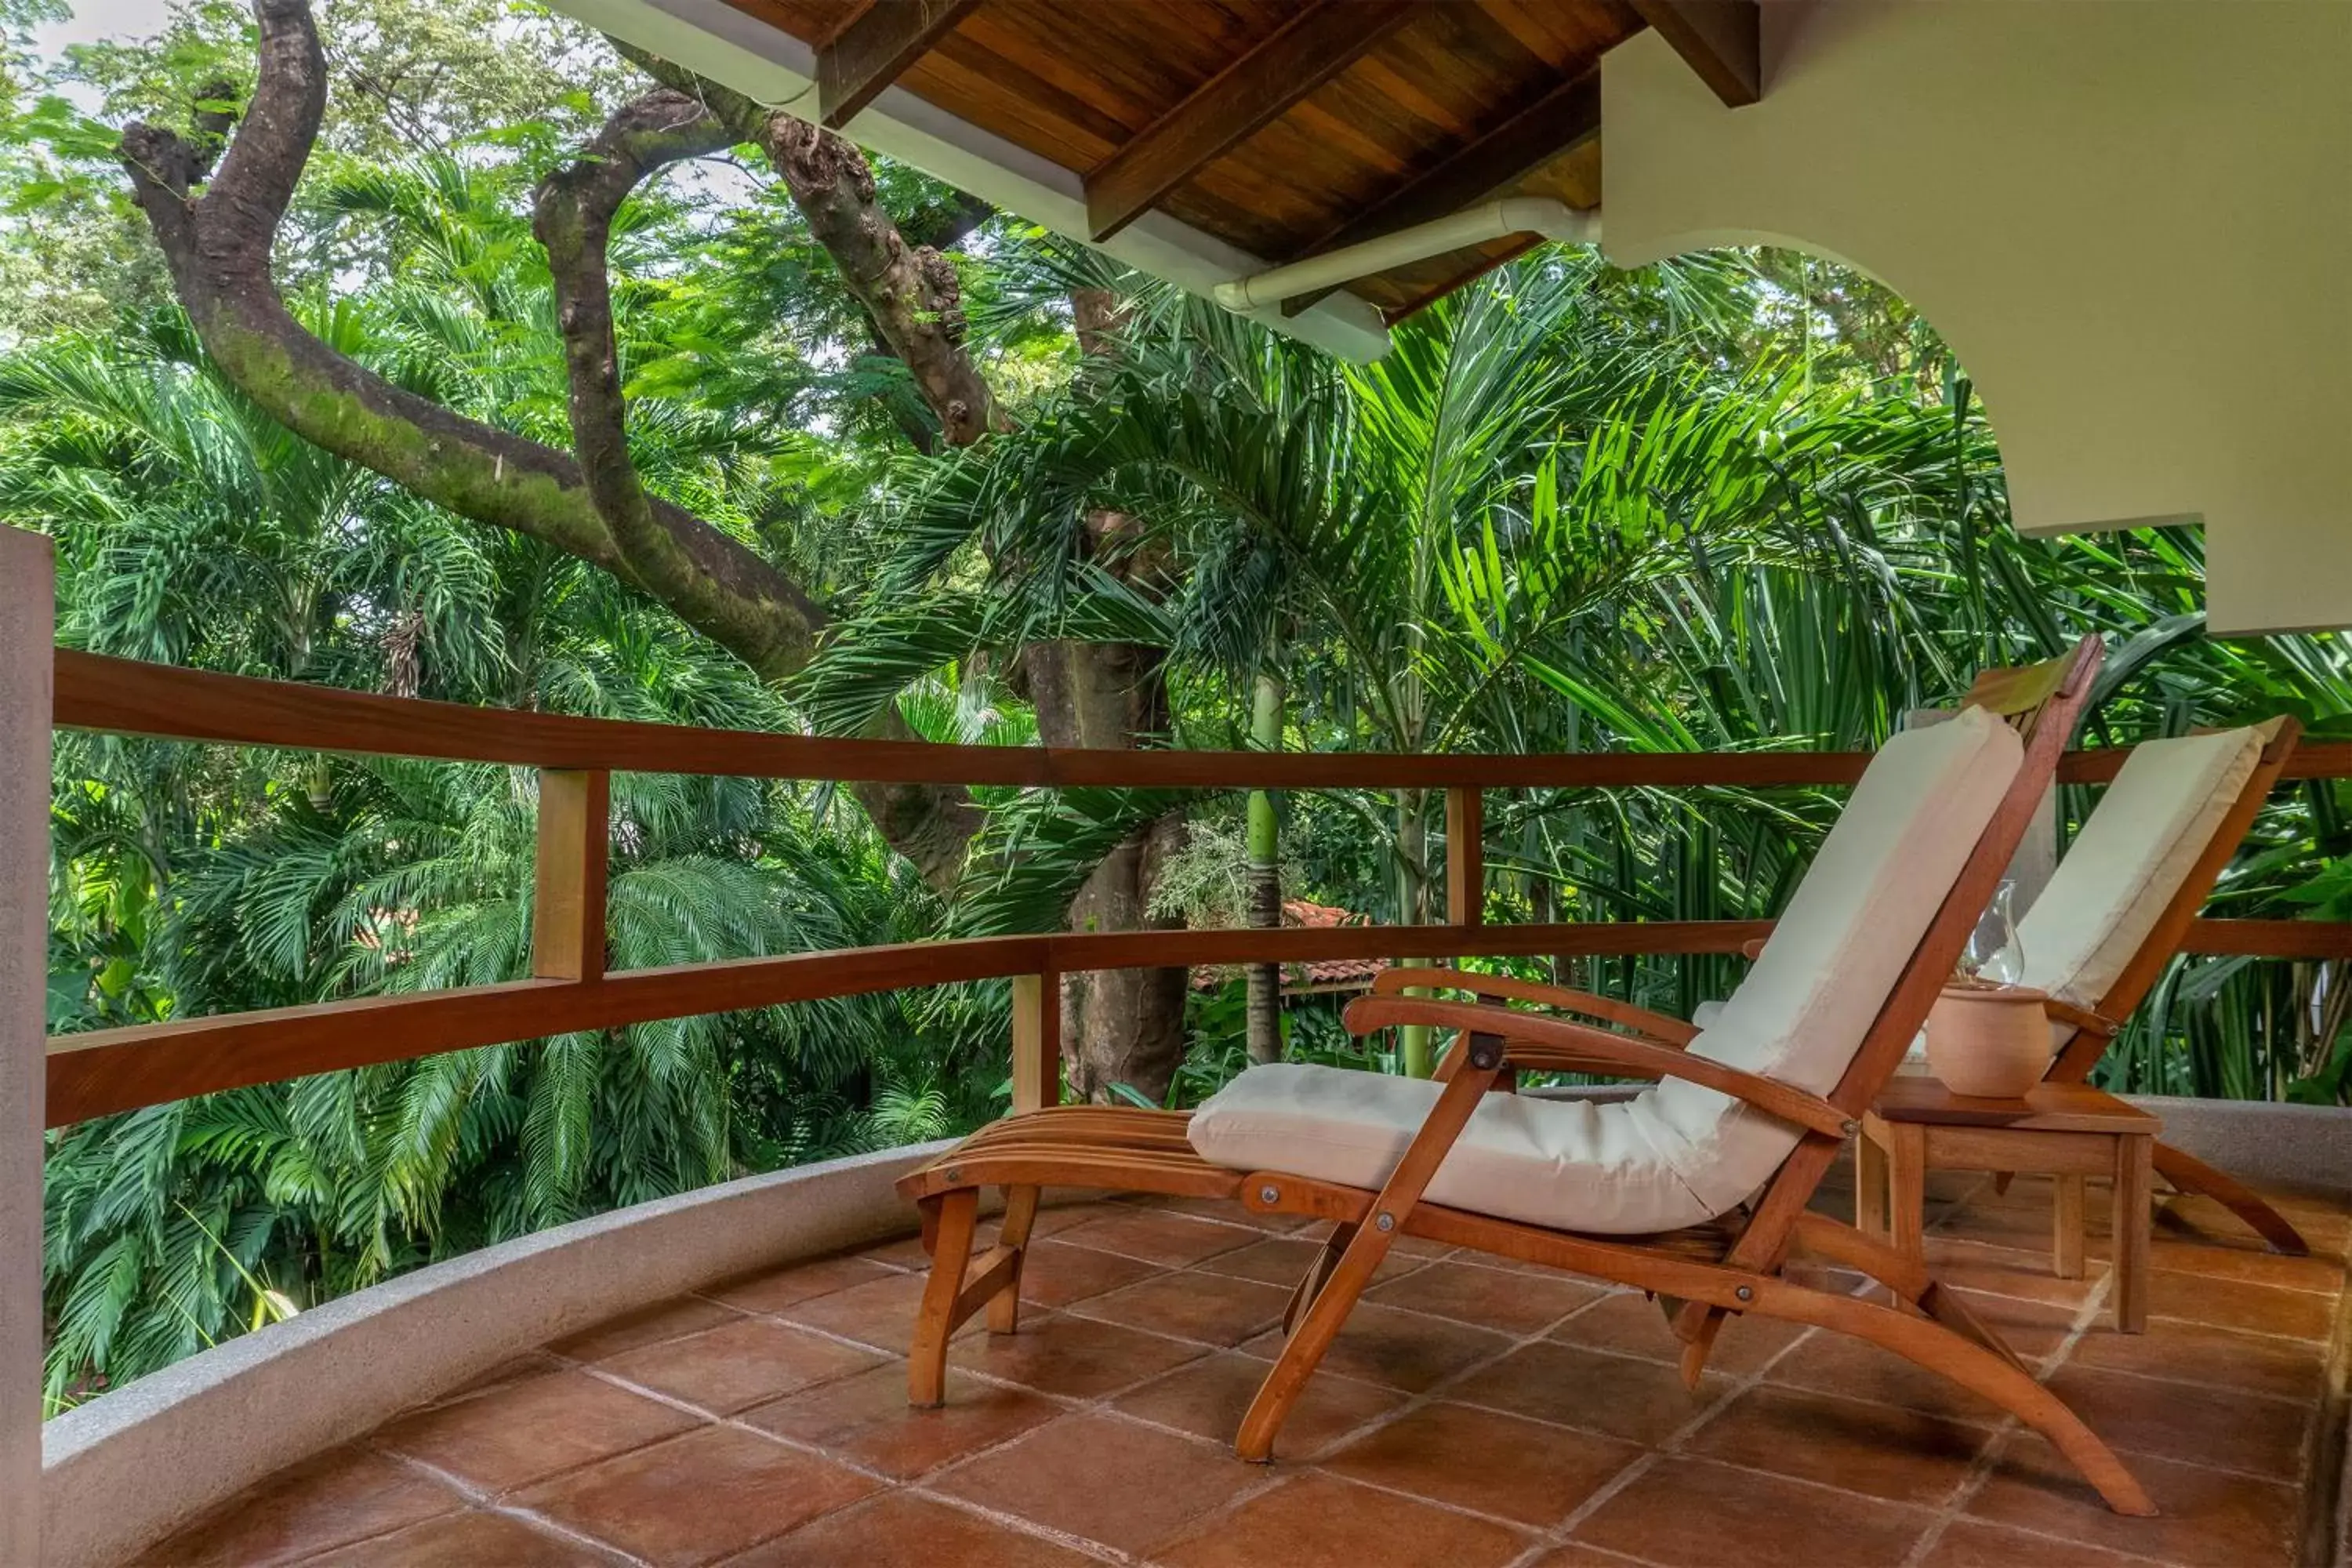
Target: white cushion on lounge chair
{"points": [[1678, 1153], [2150, 829]]}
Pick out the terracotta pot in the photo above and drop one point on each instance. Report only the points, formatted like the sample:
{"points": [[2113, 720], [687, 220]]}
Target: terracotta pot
{"points": [[1989, 1042]]}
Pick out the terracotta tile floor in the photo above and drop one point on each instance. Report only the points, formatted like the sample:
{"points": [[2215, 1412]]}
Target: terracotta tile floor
{"points": [[1471, 1416]]}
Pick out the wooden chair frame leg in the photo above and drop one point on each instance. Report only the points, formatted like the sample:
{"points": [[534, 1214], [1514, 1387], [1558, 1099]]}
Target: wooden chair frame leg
{"points": [[1013, 1235], [960, 1286], [1908, 1278], [1144, 1151], [1941, 1336], [1701, 1345], [1933, 1343], [1310, 1284], [949, 1221], [1478, 1062], [2191, 1174]]}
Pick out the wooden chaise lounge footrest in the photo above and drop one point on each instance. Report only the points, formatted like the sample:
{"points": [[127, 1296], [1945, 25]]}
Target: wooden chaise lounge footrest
{"points": [[1133, 1150]]}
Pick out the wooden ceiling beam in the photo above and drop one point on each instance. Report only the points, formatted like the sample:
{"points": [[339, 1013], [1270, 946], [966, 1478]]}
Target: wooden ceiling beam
{"points": [[1720, 40], [1318, 43], [875, 47], [1562, 118]]}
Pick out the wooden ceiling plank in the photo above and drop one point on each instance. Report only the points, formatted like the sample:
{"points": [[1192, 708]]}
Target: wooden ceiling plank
{"points": [[1562, 119], [1312, 47], [1720, 40], [875, 48]]}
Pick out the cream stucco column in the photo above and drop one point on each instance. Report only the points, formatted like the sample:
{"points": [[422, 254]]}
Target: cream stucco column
{"points": [[27, 612], [2127, 218]]}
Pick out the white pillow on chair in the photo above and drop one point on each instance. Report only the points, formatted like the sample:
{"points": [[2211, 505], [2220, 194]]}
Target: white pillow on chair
{"points": [[2148, 831]]}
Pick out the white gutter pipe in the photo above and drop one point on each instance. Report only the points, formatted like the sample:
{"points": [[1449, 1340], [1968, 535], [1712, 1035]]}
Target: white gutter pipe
{"points": [[1474, 226]]}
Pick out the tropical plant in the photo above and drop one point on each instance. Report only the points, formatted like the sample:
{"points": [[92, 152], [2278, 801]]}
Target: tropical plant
{"points": [[1735, 502], [193, 529]]}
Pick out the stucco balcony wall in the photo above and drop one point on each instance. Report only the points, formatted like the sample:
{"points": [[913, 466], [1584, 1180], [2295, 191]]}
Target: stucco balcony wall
{"points": [[128, 1467]]}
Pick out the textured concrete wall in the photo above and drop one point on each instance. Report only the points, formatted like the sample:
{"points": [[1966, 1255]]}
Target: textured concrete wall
{"points": [[2301, 1145], [27, 611], [129, 1466]]}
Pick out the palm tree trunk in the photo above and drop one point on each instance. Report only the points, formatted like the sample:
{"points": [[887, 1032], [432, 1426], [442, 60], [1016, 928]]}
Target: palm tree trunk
{"points": [[1415, 1041], [1543, 901], [1264, 1036]]}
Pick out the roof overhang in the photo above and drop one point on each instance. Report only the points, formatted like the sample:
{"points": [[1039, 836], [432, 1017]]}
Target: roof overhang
{"points": [[717, 40], [1209, 141], [2128, 217]]}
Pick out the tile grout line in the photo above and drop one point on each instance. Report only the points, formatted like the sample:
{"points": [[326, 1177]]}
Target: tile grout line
{"points": [[709, 1419], [1201, 1266], [1981, 1470], [1408, 1402], [1017, 1524], [1436, 1393], [885, 1481], [1672, 1442], [1951, 1209], [481, 1500], [1102, 1405], [1413, 1402]]}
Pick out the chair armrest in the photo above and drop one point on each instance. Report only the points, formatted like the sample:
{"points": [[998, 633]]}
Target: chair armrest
{"points": [[1752, 950], [1768, 1094], [1656, 1026]]}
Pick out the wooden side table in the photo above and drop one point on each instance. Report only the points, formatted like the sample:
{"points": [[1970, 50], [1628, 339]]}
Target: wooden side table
{"points": [[2067, 1130]]}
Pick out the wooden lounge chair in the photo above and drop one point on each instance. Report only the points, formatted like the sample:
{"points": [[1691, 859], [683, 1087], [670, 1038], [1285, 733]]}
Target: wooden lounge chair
{"points": [[2161, 836], [2109, 920], [1822, 1022]]}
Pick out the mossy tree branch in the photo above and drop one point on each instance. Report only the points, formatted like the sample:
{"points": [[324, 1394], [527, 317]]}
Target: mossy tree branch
{"points": [[218, 247]]}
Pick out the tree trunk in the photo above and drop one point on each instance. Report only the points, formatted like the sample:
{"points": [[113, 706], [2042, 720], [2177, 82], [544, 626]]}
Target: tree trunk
{"points": [[1265, 1037], [1543, 899], [218, 243], [1122, 1025], [1118, 1026]]}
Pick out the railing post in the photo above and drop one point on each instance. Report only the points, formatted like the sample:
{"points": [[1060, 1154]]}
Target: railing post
{"points": [[27, 616], [1036, 1041], [575, 842], [1466, 857]]}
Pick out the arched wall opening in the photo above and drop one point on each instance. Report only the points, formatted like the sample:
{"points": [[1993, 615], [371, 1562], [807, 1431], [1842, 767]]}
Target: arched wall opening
{"points": [[2126, 220]]}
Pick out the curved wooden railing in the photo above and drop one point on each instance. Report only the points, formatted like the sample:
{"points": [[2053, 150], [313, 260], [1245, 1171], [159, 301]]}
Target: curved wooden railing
{"points": [[99, 1071]]}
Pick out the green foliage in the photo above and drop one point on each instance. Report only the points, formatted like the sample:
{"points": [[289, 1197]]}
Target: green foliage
{"points": [[193, 529], [1739, 502], [1577, 512]]}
